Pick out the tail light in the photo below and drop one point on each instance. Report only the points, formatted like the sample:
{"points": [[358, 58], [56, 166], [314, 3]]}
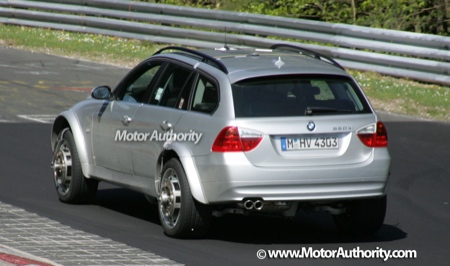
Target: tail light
{"points": [[232, 139], [374, 136]]}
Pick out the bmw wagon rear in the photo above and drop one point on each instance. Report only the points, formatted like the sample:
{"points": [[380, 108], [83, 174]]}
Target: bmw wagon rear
{"points": [[301, 141]]}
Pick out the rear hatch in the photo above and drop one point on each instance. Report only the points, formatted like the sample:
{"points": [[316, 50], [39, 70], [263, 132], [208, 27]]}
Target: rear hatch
{"points": [[303, 121], [289, 142]]}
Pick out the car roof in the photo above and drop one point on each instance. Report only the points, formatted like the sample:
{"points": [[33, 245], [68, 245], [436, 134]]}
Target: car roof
{"points": [[243, 64], [240, 64]]}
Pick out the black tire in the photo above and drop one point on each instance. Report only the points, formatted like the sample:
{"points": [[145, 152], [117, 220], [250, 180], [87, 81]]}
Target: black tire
{"points": [[362, 217], [71, 185], [180, 214]]}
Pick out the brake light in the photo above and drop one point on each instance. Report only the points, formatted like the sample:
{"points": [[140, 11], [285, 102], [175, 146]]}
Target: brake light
{"points": [[232, 139], [374, 136]]}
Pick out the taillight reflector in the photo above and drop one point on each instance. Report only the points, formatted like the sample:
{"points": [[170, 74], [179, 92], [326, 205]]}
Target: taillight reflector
{"points": [[231, 140], [374, 136]]}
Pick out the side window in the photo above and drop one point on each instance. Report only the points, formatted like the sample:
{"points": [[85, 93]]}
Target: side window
{"points": [[345, 92], [183, 100], [169, 89], [325, 92], [206, 96], [333, 95], [138, 84]]}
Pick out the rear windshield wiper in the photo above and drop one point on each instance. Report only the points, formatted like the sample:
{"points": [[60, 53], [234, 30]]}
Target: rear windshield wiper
{"points": [[310, 110]]}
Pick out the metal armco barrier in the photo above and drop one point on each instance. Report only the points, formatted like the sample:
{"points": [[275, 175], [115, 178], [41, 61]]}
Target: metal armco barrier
{"points": [[422, 57]]}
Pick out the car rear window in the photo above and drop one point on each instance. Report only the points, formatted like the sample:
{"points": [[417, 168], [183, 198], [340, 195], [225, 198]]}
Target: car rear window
{"points": [[297, 96]]}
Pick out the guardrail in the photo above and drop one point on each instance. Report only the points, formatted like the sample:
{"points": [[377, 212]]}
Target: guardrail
{"points": [[422, 57]]}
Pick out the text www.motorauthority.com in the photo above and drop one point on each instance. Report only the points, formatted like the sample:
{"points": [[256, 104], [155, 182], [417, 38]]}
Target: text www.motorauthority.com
{"points": [[340, 253]]}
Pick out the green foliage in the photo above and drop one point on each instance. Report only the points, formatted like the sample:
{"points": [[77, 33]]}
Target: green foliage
{"points": [[425, 16], [212, 4]]}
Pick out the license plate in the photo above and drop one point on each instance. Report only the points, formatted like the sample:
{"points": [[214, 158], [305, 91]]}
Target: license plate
{"points": [[309, 143]]}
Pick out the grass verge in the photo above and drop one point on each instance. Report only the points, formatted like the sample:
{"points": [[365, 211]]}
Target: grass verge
{"points": [[386, 93]]}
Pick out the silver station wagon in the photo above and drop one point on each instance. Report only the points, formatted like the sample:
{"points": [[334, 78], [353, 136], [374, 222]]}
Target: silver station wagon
{"points": [[206, 133]]}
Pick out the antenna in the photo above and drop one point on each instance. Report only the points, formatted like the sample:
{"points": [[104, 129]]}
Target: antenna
{"points": [[226, 46]]}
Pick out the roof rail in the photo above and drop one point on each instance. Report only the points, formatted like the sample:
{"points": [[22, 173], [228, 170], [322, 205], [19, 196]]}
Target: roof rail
{"points": [[307, 52], [205, 58]]}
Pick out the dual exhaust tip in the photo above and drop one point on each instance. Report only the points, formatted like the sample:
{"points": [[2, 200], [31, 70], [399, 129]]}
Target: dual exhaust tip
{"points": [[253, 204]]}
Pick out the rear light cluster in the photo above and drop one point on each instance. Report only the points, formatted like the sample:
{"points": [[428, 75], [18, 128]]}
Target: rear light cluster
{"points": [[374, 136], [233, 139]]}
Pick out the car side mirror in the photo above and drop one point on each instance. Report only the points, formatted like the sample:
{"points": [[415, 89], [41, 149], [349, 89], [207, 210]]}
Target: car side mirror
{"points": [[101, 92]]}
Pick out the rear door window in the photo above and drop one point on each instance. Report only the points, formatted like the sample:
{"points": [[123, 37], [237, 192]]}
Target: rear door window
{"points": [[298, 96], [169, 91]]}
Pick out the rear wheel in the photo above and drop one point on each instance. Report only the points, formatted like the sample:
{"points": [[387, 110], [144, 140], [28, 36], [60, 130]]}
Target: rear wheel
{"points": [[71, 185], [362, 217], [180, 214]]}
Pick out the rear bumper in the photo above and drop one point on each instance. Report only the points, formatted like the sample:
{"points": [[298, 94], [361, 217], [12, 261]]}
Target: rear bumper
{"points": [[231, 178]]}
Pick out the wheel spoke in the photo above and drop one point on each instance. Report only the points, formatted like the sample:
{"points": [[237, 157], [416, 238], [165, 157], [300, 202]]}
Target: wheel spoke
{"points": [[62, 168], [170, 198]]}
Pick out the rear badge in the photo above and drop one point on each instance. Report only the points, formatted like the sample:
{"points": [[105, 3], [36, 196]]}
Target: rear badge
{"points": [[311, 126]]}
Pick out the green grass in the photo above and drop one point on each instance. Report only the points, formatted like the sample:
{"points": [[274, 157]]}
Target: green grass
{"points": [[386, 93], [403, 96], [98, 48]]}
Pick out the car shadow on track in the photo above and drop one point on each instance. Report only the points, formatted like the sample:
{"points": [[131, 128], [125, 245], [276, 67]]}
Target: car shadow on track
{"points": [[306, 228], [127, 202]]}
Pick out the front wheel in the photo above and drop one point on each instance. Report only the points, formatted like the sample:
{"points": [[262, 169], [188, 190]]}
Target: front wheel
{"points": [[362, 217], [71, 185], [180, 214]]}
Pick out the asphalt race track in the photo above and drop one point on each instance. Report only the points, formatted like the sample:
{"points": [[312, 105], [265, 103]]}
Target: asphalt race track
{"points": [[35, 87]]}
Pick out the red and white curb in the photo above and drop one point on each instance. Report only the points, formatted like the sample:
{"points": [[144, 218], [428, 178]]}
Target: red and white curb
{"points": [[11, 256]]}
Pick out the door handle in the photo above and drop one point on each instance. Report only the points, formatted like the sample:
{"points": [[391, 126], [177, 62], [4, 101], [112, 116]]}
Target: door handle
{"points": [[165, 125], [126, 120]]}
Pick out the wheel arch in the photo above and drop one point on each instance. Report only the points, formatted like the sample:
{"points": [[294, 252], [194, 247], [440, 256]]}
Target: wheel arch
{"points": [[181, 153], [69, 120]]}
